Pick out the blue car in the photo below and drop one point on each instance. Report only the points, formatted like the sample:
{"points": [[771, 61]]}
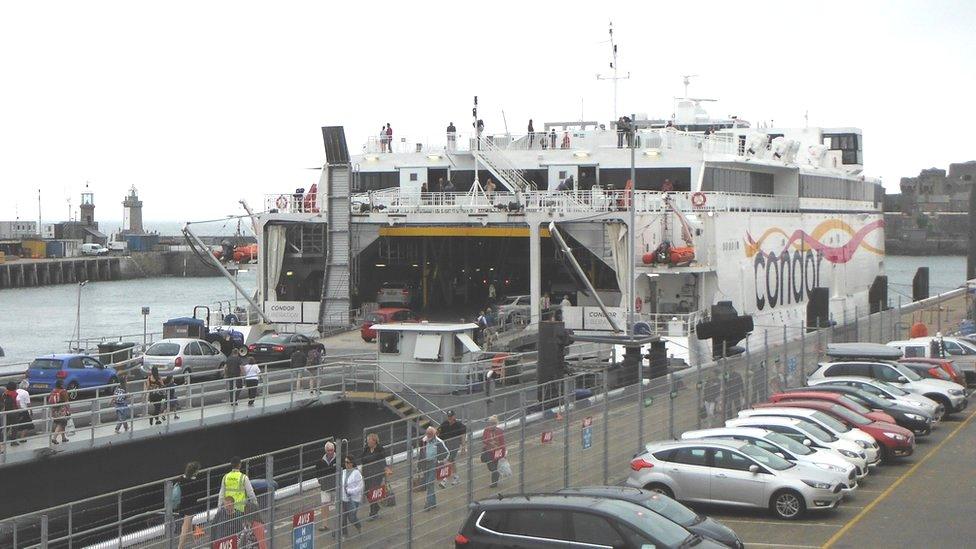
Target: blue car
{"points": [[77, 372]]}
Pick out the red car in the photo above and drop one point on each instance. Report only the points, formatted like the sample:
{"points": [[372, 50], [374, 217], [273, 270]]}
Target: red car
{"points": [[939, 369], [382, 316], [839, 398], [895, 441]]}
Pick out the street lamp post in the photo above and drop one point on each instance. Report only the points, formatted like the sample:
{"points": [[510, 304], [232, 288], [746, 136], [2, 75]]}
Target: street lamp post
{"points": [[78, 314], [632, 230], [145, 326]]}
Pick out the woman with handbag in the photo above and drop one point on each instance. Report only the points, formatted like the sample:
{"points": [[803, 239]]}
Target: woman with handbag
{"points": [[154, 384], [375, 471]]}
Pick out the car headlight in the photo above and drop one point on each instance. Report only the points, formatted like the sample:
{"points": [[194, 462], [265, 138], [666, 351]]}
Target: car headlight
{"points": [[895, 436], [819, 485], [915, 417], [956, 392], [916, 403], [849, 454], [830, 467], [862, 444]]}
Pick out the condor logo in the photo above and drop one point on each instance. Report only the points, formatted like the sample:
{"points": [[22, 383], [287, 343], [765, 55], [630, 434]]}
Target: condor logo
{"points": [[786, 278]]}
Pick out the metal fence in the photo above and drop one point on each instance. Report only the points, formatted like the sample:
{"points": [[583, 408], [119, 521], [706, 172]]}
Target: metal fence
{"points": [[581, 430]]}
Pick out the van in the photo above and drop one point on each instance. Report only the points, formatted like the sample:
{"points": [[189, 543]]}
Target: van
{"points": [[91, 248]]}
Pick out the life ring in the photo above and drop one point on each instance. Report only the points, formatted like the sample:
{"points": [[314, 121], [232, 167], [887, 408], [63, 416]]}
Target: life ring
{"points": [[698, 199], [281, 202]]}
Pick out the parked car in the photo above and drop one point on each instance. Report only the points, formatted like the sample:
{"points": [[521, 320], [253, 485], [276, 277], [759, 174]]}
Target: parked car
{"points": [[872, 450], [77, 372], [894, 441], [393, 294], [943, 364], [278, 347], [809, 434], [886, 391], [516, 309], [667, 508], [961, 351], [786, 448], [913, 419], [383, 316], [926, 370], [951, 396], [561, 520], [810, 394], [184, 358], [733, 472]]}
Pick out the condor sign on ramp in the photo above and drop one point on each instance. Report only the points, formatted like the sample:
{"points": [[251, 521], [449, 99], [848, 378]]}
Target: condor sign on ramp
{"points": [[292, 312], [592, 318]]}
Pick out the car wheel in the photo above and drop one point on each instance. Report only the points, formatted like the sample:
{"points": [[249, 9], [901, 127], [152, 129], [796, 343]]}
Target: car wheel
{"points": [[944, 401], [660, 489], [73, 390], [242, 351], [787, 504]]}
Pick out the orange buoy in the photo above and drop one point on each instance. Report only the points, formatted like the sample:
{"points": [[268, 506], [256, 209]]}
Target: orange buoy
{"points": [[918, 330]]}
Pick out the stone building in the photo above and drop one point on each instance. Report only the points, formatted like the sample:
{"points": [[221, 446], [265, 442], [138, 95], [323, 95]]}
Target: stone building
{"points": [[931, 215]]}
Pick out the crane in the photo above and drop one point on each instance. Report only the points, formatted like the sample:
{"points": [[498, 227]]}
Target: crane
{"points": [[673, 255]]}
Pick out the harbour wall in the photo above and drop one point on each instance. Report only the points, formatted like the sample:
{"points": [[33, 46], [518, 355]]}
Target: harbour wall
{"points": [[90, 473], [27, 273]]}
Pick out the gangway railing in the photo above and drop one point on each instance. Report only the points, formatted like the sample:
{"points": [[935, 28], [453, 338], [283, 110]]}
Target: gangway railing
{"points": [[496, 161]]}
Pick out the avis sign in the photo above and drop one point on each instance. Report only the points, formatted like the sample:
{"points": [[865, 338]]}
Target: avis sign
{"points": [[303, 530], [230, 542]]}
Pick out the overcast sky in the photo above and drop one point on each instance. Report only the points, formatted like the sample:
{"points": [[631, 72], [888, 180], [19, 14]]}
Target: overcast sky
{"points": [[199, 104]]}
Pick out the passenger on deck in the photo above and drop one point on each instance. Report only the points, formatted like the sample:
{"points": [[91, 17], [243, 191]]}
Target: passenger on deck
{"points": [[389, 137], [531, 133], [451, 137], [565, 143], [552, 138]]}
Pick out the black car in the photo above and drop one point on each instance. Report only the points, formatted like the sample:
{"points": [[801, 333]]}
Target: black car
{"points": [[913, 419], [279, 347], [667, 508], [560, 520]]}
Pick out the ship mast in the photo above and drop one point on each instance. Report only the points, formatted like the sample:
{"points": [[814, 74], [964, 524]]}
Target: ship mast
{"points": [[613, 65]]}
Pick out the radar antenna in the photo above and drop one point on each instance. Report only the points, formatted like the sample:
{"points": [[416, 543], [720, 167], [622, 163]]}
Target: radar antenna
{"points": [[687, 80], [613, 65]]}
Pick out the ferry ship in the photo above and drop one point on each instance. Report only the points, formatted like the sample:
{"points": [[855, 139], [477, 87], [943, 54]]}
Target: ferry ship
{"points": [[722, 212]]}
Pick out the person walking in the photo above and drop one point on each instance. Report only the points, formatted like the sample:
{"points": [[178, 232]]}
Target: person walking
{"points": [[352, 494], [60, 411], [232, 373], [120, 399], [492, 448], [552, 138], [237, 486], [192, 499], [621, 129], [227, 521], [157, 393], [312, 363], [433, 452], [389, 138], [325, 473], [252, 376], [172, 402], [452, 433], [451, 137], [376, 469], [16, 421], [531, 131]]}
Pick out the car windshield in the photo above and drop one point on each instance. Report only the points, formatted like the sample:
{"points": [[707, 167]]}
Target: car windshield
{"points": [[670, 509], [512, 300], [661, 529], [853, 417], [46, 364], [830, 422], [897, 391], [164, 349], [765, 457], [275, 338], [907, 372], [788, 443], [374, 318], [854, 405], [816, 431], [871, 398]]}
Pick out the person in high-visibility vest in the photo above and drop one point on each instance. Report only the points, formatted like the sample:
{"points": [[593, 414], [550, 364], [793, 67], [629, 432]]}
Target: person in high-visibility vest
{"points": [[236, 485]]}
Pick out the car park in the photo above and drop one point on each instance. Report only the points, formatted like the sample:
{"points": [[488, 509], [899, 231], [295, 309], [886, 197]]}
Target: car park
{"points": [[667, 508], [561, 520], [384, 316], [811, 435], [894, 441], [872, 450], [734, 473], [184, 358], [913, 419], [786, 448], [961, 351], [277, 348], [837, 398], [76, 372], [887, 391], [944, 364]]}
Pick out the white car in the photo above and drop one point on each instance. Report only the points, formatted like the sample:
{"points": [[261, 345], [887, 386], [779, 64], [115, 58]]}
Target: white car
{"points": [[183, 357], [90, 248], [809, 434], [786, 448], [886, 391], [951, 396], [734, 473], [872, 451]]}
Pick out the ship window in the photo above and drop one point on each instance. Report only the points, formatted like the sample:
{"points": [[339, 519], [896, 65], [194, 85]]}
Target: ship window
{"points": [[428, 347], [413, 176], [390, 342]]}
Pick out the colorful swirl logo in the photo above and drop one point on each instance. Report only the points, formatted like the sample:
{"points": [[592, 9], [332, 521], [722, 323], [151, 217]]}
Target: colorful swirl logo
{"points": [[802, 241]]}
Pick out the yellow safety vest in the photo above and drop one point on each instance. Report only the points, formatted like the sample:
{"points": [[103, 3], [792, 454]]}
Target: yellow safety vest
{"points": [[234, 488]]}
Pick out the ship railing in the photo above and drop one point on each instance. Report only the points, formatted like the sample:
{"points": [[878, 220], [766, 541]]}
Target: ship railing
{"points": [[670, 324], [437, 202], [294, 202], [92, 411]]}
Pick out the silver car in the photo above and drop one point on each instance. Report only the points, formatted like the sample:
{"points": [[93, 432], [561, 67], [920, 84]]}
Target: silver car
{"points": [[515, 309], [733, 472], [785, 447], [872, 450], [886, 391], [951, 396], [184, 357]]}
